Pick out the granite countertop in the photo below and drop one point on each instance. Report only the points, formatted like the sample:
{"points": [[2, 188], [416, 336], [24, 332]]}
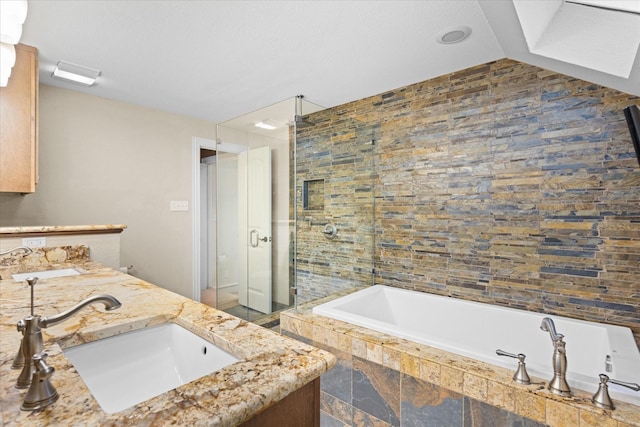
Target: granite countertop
{"points": [[60, 229], [271, 365]]}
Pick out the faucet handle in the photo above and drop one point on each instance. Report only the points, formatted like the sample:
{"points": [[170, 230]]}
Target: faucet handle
{"points": [[632, 386], [41, 392], [521, 376], [18, 360], [31, 281], [601, 398]]}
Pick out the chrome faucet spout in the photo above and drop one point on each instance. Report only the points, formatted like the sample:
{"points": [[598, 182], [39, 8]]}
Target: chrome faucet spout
{"points": [[25, 249], [548, 326], [110, 303]]}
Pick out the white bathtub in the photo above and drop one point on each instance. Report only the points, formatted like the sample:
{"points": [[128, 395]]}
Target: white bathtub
{"points": [[477, 330]]}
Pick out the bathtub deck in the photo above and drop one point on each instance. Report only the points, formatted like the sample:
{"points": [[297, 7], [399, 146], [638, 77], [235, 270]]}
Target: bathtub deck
{"points": [[470, 379]]}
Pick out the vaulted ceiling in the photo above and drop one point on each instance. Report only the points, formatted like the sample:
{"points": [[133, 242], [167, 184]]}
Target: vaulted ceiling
{"points": [[216, 60]]}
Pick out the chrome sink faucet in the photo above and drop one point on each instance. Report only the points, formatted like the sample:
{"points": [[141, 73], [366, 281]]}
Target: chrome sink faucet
{"points": [[31, 328], [558, 384]]}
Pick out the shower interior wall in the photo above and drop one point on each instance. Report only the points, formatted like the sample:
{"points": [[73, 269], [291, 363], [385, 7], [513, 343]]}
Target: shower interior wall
{"points": [[503, 183], [334, 185]]}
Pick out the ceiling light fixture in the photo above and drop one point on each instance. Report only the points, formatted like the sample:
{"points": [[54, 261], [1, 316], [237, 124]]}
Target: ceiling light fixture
{"points": [[12, 15], [453, 35], [7, 61], [75, 73], [266, 124]]}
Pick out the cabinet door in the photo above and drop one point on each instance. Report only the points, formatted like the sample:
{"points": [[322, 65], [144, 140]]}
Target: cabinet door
{"points": [[19, 124], [299, 409]]}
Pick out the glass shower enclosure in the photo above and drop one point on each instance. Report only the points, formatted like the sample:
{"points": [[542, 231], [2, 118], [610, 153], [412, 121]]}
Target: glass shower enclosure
{"points": [[291, 204], [249, 233]]}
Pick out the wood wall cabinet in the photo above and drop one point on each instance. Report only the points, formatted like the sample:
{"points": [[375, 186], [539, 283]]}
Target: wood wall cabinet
{"points": [[19, 124]]}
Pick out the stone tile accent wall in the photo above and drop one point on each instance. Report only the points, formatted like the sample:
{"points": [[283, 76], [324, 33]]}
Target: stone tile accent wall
{"points": [[503, 183]]}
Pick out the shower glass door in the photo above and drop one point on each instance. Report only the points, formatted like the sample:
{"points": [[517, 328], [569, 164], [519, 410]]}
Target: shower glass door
{"points": [[243, 230], [255, 224], [228, 256], [254, 191]]}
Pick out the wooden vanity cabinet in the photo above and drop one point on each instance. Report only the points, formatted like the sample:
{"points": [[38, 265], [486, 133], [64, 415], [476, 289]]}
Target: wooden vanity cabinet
{"points": [[300, 408], [19, 124]]}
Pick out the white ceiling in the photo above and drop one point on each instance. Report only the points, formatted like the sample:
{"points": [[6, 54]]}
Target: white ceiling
{"points": [[216, 60]]}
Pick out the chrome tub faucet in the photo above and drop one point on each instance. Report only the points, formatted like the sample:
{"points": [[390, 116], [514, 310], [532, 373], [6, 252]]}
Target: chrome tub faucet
{"points": [[32, 343], [558, 384]]}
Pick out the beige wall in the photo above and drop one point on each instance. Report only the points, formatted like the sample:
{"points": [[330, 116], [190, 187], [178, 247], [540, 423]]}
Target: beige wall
{"points": [[108, 162]]}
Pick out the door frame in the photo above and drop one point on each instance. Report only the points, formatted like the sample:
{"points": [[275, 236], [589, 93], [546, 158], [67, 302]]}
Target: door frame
{"points": [[197, 144]]}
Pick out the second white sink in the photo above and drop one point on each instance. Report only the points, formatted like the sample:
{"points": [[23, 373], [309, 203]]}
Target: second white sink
{"points": [[124, 370], [46, 274]]}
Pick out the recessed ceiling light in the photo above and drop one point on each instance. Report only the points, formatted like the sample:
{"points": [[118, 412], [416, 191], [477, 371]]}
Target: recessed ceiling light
{"points": [[267, 124], [453, 35], [75, 73]]}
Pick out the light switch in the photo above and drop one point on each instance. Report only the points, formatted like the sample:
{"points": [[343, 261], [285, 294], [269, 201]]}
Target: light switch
{"points": [[179, 205]]}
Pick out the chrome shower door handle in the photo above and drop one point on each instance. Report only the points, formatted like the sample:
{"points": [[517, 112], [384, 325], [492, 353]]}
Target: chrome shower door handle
{"points": [[258, 238], [251, 234]]}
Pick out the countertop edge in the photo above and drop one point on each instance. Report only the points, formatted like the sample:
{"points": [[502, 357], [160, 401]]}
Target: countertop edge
{"points": [[61, 229]]}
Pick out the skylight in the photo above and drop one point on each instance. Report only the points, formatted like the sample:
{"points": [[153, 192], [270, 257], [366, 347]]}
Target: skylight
{"points": [[632, 6], [587, 33]]}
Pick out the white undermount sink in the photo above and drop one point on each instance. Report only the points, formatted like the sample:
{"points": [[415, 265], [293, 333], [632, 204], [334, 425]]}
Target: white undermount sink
{"points": [[124, 370], [46, 274]]}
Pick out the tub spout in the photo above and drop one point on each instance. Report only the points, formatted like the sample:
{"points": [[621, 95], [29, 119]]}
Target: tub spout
{"points": [[548, 326], [558, 384]]}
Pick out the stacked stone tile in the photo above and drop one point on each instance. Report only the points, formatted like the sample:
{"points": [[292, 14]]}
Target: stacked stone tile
{"points": [[503, 183]]}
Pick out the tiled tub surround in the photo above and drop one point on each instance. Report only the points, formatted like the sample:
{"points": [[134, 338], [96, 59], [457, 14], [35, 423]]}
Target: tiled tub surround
{"points": [[503, 183], [477, 330], [381, 380], [272, 366]]}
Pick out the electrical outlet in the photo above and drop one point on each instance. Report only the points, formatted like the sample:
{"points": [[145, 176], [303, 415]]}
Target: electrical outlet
{"points": [[34, 242], [179, 205]]}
